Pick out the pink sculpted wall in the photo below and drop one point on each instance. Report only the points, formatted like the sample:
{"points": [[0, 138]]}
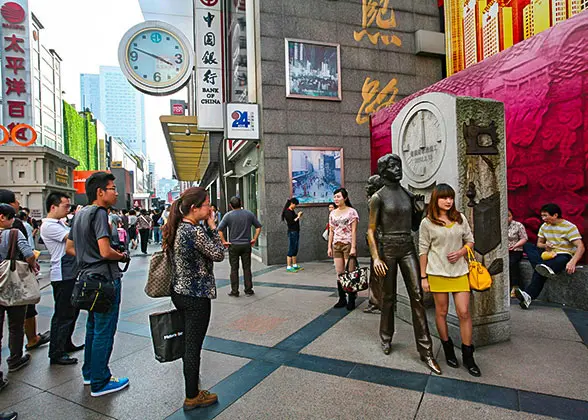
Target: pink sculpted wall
{"points": [[543, 83]]}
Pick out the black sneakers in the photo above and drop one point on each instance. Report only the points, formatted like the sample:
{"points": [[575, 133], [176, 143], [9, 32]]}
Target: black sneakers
{"points": [[19, 364]]}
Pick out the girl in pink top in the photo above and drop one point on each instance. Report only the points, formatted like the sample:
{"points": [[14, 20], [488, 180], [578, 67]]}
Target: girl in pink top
{"points": [[343, 240]]}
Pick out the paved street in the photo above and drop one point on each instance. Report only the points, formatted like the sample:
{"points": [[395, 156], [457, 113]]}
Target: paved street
{"points": [[284, 353]]}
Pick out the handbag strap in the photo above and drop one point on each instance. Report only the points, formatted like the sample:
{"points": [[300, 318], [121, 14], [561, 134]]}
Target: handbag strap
{"points": [[13, 248], [349, 260], [471, 255]]}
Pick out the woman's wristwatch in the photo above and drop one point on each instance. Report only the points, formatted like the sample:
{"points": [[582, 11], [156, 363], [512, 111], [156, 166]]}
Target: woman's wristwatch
{"points": [[424, 277]]}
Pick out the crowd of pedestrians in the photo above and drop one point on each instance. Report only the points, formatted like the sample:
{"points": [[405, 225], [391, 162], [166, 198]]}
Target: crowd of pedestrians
{"points": [[93, 240]]}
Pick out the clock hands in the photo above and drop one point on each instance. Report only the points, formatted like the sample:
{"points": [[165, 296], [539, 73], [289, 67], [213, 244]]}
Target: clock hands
{"points": [[154, 56]]}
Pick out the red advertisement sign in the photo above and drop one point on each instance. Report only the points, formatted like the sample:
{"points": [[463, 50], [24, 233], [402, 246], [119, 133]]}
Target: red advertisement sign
{"points": [[16, 77]]}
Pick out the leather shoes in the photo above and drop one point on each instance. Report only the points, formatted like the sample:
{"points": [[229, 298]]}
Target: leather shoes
{"points": [[73, 348], [64, 360], [387, 348], [432, 364]]}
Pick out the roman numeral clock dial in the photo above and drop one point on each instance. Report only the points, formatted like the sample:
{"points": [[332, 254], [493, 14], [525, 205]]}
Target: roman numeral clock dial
{"points": [[156, 58], [423, 145]]}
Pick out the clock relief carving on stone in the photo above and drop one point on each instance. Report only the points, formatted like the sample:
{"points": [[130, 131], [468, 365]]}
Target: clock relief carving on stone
{"points": [[156, 58], [422, 144]]}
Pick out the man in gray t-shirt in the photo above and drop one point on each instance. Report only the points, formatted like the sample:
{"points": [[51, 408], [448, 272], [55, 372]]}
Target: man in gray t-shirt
{"points": [[239, 222], [89, 221], [91, 241]]}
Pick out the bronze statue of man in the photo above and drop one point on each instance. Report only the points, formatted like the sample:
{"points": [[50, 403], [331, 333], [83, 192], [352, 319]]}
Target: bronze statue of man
{"points": [[375, 291], [394, 213]]}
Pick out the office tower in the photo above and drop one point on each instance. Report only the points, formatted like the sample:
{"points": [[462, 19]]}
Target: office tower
{"points": [[491, 34], [469, 33], [122, 109], [454, 36], [528, 22], [558, 11], [90, 94], [541, 16]]}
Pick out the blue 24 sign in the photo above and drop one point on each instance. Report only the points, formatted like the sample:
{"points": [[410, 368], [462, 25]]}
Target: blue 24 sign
{"points": [[240, 119]]}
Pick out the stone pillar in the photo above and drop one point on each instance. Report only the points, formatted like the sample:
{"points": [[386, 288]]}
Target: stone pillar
{"points": [[461, 141]]}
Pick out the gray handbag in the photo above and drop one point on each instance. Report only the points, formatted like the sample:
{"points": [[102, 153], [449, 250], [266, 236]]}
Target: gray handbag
{"points": [[18, 284]]}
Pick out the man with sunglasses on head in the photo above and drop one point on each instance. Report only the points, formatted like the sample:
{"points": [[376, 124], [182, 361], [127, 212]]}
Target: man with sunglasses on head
{"points": [[63, 275], [90, 240]]}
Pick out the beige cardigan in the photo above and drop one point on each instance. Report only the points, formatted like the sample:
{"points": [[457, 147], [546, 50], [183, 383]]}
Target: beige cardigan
{"points": [[437, 241]]}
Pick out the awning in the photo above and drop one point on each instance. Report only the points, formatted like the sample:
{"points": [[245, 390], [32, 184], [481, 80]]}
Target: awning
{"points": [[188, 147]]}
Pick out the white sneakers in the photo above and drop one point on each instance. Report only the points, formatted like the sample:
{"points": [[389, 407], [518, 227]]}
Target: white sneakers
{"points": [[544, 270], [524, 298]]}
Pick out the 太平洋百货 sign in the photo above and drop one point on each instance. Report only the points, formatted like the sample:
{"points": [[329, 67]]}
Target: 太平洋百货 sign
{"points": [[16, 71], [18, 134], [242, 121]]}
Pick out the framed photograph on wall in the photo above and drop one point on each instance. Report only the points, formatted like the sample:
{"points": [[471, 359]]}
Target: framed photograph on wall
{"points": [[315, 173], [313, 70]]}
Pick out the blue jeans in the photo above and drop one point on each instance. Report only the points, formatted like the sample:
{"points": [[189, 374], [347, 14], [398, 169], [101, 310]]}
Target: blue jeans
{"points": [[293, 240], [100, 330], [157, 234], [557, 264]]}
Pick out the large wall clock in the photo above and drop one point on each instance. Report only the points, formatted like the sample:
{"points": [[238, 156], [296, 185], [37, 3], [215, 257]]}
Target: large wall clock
{"points": [[156, 58]]}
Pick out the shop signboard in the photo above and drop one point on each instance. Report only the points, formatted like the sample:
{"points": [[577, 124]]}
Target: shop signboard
{"points": [[209, 65], [178, 107], [16, 71], [116, 164], [243, 121], [62, 176], [80, 178]]}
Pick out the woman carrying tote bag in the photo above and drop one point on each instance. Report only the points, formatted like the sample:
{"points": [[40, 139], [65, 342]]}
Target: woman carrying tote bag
{"points": [[16, 314], [343, 242], [193, 249]]}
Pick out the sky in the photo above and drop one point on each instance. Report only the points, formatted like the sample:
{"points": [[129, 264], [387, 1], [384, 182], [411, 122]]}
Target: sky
{"points": [[86, 35]]}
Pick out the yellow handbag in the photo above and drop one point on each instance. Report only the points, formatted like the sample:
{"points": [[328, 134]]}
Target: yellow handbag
{"points": [[479, 277]]}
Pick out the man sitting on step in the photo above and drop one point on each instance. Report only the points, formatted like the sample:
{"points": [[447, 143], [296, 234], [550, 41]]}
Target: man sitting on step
{"points": [[559, 247]]}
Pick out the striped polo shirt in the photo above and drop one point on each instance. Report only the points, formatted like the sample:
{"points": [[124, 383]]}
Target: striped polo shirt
{"points": [[561, 236]]}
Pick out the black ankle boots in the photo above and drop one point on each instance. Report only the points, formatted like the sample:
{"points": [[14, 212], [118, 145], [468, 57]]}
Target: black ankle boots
{"points": [[450, 353], [468, 360]]}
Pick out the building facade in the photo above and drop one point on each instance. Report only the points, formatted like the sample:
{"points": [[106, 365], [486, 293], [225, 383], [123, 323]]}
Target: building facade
{"points": [[377, 66], [33, 95], [117, 104]]}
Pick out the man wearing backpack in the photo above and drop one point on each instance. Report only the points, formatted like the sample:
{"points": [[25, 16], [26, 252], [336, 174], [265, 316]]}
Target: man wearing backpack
{"points": [[91, 238]]}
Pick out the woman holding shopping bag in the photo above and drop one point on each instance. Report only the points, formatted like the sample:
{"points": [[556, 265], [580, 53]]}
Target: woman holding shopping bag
{"points": [[343, 241], [193, 248]]}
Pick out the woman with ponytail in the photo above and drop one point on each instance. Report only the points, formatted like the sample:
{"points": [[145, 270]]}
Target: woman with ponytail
{"points": [[192, 248], [292, 219], [343, 241]]}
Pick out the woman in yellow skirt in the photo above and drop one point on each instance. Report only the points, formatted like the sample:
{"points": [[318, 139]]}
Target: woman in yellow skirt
{"points": [[443, 237]]}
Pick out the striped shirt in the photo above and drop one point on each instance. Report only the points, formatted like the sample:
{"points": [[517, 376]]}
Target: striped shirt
{"points": [[561, 235]]}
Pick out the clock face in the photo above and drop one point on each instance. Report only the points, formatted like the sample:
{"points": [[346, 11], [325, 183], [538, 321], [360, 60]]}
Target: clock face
{"points": [[423, 145], [155, 57]]}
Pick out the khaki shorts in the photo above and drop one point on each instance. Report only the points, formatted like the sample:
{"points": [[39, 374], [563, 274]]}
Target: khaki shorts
{"points": [[341, 250]]}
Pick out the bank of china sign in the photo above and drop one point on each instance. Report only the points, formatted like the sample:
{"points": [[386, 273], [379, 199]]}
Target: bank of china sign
{"points": [[209, 65]]}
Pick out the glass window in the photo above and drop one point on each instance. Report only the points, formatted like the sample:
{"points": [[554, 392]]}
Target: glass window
{"points": [[48, 98], [237, 51]]}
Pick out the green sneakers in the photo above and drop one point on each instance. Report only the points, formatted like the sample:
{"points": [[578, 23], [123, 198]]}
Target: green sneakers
{"points": [[291, 270]]}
